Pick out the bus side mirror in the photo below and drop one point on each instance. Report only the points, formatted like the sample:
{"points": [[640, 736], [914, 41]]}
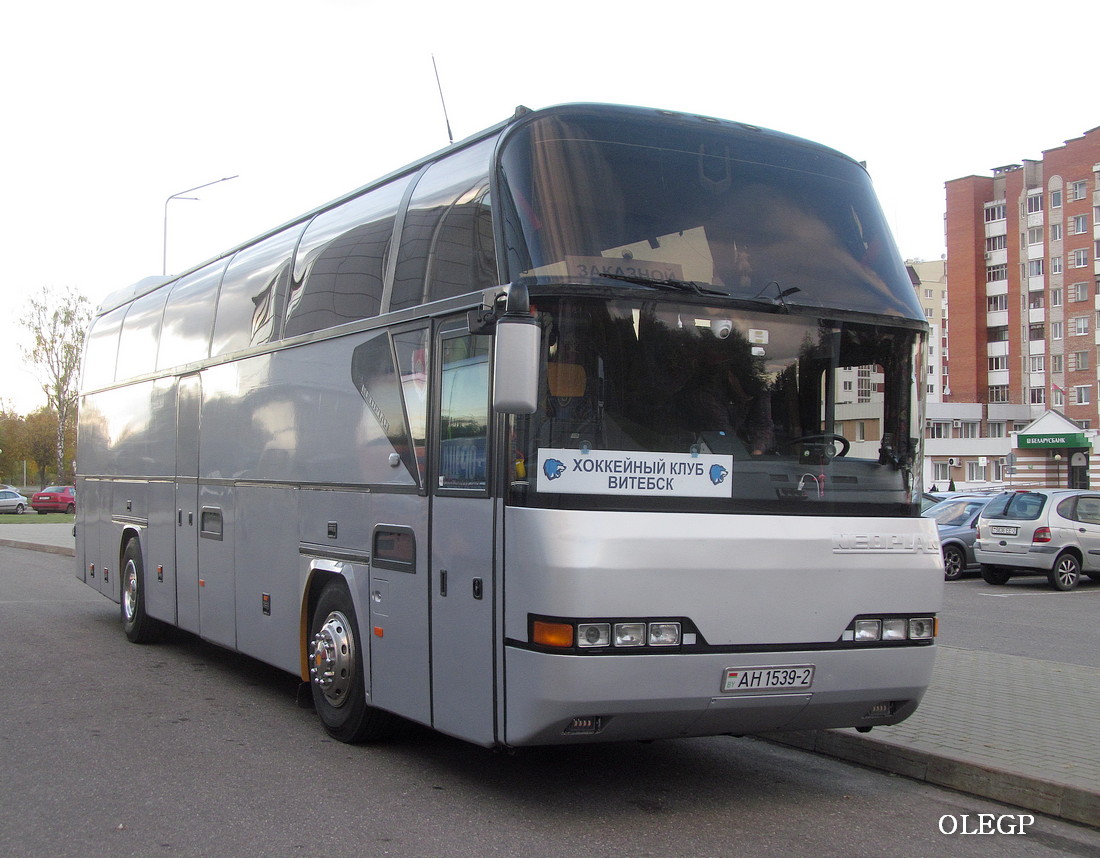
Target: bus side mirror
{"points": [[516, 355]]}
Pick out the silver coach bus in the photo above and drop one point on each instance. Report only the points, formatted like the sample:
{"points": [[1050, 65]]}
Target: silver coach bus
{"points": [[662, 482]]}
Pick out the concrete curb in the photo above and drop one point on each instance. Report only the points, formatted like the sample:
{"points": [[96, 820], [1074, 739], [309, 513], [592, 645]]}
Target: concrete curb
{"points": [[34, 546], [1053, 799]]}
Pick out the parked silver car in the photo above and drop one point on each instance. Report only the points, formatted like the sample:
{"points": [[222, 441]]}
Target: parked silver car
{"points": [[12, 501], [1053, 532]]}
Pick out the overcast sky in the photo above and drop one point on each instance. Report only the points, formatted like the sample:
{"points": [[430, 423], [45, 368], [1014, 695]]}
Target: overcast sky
{"points": [[111, 107]]}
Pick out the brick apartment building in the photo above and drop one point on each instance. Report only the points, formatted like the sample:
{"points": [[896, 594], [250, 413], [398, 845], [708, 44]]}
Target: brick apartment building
{"points": [[1023, 314]]}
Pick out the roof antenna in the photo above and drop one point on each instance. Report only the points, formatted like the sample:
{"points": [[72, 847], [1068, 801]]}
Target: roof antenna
{"points": [[450, 137]]}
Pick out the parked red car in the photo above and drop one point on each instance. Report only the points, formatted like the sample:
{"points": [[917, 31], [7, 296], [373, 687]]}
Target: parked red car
{"points": [[54, 499]]}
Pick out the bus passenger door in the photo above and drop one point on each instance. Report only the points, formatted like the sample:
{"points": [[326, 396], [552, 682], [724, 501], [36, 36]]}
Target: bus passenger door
{"points": [[463, 583], [188, 408]]}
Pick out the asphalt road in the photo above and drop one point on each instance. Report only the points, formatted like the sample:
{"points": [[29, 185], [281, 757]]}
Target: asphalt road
{"points": [[111, 749], [1024, 617]]}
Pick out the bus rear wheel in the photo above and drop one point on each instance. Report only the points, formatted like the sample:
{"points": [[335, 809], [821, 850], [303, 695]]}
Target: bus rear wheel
{"points": [[139, 627], [336, 670]]}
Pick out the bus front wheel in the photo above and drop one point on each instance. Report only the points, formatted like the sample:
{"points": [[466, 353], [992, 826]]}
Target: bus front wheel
{"points": [[336, 670], [139, 627]]}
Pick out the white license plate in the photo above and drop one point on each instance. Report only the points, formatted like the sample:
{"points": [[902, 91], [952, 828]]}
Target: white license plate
{"points": [[768, 678], [1003, 530]]}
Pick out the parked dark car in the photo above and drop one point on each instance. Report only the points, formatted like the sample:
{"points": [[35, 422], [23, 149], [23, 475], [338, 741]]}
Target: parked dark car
{"points": [[957, 522], [54, 499]]}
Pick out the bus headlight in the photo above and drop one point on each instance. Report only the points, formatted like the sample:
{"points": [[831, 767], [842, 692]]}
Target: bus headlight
{"points": [[593, 634], [922, 628], [664, 634], [630, 634], [868, 630]]}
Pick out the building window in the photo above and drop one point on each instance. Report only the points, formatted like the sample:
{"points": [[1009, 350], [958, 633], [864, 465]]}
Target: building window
{"points": [[1056, 265], [1078, 190], [1055, 363], [995, 429], [941, 472], [1057, 397], [1055, 199], [1034, 203], [996, 242], [996, 272], [998, 362], [1038, 396], [998, 393], [1078, 224], [1079, 325], [1079, 292], [1056, 330], [969, 429], [1034, 301], [1034, 235], [996, 302], [1078, 361], [1035, 268], [1083, 394], [975, 472], [997, 334], [1055, 232], [1083, 424], [994, 211], [1036, 363], [1080, 259], [861, 430], [939, 429], [1056, 297], [1035, 332]]}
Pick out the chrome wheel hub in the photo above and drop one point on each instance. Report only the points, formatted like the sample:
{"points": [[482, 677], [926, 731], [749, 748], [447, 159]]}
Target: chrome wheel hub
{"points": [[129, 591], [332, 658]]}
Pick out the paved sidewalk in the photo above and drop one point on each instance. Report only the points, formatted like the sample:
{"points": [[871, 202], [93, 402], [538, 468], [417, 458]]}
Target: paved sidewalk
{"points": [[1013, 729], [54, 538]]}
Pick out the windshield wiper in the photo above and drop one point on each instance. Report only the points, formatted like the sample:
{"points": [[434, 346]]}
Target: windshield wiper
{"points": [[663, 283]]}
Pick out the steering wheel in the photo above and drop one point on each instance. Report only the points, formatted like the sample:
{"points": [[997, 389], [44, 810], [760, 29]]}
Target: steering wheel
{"points": [[824, 440]]}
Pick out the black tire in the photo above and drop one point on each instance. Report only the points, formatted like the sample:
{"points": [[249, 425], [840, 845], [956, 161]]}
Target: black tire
{"points": [[1066, 573], [70, 509], [20, 509], [954, 562], [139, 627], [995, 574], [336, 670]]}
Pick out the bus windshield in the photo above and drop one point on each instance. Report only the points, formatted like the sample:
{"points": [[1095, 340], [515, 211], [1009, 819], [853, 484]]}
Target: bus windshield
{"points": [[744, 212], [671, 405]]}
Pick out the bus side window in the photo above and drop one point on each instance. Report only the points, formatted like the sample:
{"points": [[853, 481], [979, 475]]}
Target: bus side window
{"points": [[464, 413], [137, 347], [447, 237], [249, 296], [339, 268], [189, 317], [102, 350]]}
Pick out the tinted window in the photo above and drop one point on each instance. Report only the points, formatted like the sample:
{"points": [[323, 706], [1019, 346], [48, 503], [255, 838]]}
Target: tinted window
{"points": [[137, 347], [464, 413], [340, 264], [250, 293], [102, 350], [446, 237], [1024, 506], [188, 317]]}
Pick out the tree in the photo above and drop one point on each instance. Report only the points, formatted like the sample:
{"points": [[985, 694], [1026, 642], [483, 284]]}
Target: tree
{"points": [[13, 444], [41, 441], [58, 324]]}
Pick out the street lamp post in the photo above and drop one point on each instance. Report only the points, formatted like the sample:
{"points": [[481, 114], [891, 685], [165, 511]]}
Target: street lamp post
{"points": [[180, 196]]}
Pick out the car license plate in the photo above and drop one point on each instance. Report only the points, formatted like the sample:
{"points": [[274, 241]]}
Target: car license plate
{"points": [[1003, 530], [779, 678]]}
